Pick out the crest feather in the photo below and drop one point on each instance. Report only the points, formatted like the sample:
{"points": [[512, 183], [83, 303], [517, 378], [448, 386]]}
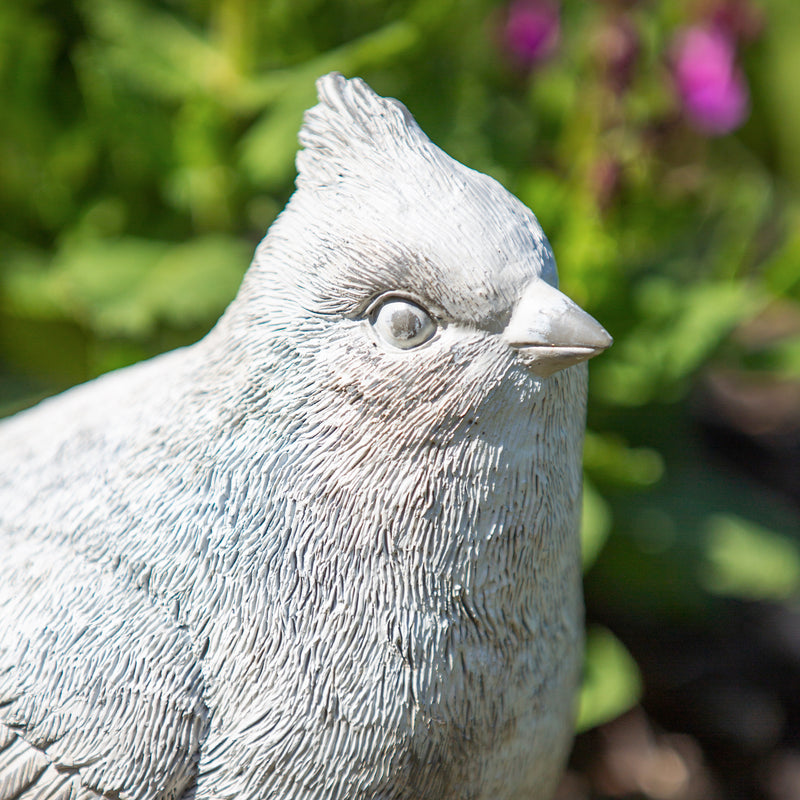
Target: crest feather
{"points": [[350, 125]]}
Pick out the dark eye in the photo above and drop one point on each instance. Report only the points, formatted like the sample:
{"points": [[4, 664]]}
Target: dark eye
{"points": [[402, 323]]}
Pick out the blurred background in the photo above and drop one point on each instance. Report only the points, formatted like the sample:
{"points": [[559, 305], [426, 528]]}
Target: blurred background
{"points": [[146, 145]]}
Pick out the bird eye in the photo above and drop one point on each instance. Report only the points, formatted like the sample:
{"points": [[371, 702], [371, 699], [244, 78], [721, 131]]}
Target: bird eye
{"points": [[402, 323]]}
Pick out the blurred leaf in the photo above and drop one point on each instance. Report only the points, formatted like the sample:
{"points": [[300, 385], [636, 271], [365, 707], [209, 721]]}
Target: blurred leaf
{"points": [[649, 566], [269, 147], [595, 524], [611, 680], [52, 351], [784, 357], [125, 286], [747, 195], [780, 61], [587, 253], [90, 278], [782, 269], [159, 52], [746, 560], [680, 328], [611, 459], [546, 194], [194, 282]]}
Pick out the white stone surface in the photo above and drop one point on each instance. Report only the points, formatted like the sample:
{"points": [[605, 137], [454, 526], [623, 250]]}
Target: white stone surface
{"points": [[312, 556]]}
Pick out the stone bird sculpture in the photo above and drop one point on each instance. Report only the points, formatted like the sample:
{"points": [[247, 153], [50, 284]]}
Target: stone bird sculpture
{"points": [[331, 550]]}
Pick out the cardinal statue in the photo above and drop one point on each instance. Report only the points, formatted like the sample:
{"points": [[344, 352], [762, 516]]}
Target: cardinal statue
{"points": [[330, 551]]}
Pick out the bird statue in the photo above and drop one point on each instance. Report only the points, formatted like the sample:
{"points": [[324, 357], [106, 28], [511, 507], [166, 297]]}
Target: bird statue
{"points": [[331, 550]]}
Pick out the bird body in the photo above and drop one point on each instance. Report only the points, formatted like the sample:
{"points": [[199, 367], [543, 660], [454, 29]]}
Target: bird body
{"points": [[331, 550]]}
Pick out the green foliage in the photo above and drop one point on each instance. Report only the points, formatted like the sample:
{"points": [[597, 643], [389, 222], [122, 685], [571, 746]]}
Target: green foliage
{"points": [[745, 560], [152, 282], [611, 681], [595, 523], [147, 146]]}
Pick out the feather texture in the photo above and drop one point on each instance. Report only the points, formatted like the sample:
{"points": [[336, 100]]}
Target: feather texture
{"points": [[352, 126], [297, 559]]}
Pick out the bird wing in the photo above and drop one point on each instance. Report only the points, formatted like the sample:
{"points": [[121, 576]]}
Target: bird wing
{"points": [[101, 694]]}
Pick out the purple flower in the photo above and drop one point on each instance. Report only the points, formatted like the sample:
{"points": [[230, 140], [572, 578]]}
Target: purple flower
{"points": [[712, 88], [532, 30]]}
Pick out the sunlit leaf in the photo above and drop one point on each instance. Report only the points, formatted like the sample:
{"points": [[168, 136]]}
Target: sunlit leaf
{"points": [[612, 459], [746, 560], [268, 148], [611, 680], [595, 524], [680, 328], [125, 286]]}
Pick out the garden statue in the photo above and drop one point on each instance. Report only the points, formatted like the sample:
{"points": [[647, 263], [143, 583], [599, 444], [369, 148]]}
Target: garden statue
{"points": [[331, 550]]}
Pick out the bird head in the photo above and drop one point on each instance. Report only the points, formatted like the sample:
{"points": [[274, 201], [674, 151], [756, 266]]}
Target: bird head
{"points": [[402, 279]]}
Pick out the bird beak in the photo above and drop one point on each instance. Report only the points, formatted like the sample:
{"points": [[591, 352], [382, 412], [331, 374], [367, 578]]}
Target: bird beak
{"points": [[550, 332]]}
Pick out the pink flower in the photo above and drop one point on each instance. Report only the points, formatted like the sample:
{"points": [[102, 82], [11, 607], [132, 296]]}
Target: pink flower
{"points": [[532, 30], [712, 88]]}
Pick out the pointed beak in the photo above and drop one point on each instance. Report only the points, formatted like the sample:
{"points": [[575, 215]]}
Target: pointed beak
{"points": [[550, 332]]}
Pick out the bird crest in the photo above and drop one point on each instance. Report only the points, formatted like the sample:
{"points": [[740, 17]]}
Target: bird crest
{"points": [[352, 128]]}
